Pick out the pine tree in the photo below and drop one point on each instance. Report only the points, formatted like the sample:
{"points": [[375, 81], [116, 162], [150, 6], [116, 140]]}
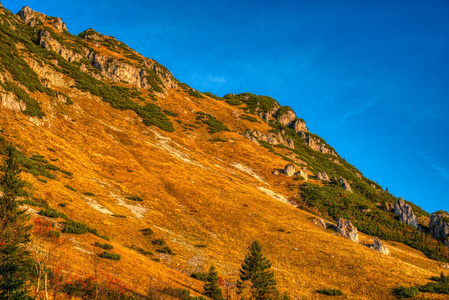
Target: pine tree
{"points": [[255, 269], [211, 287], [14, 233]]}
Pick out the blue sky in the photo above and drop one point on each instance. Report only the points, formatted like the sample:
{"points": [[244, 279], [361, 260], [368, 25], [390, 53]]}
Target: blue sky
{"points": [[370, 77]]}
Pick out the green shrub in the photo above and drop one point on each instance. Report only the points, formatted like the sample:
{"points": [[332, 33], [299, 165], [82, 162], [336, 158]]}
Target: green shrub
{"points": [[118, 216], [109, 255], [147, 231], [405, 292], [158, 242], [75, 227], [52, 213], [156, 259], [209, 94], [166, 250], [104, 246], [200, 276], [330, 292], [89, 194], [70, 188], [62, 204], [214, 125], [144, 252], [177, 293], [135, 198]]}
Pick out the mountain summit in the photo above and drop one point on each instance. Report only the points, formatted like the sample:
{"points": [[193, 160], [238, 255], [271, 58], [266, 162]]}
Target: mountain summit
{"points": [[148, 182]]}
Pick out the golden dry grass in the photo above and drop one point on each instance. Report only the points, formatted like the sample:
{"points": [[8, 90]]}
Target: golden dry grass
{"points": [[194, 195]]}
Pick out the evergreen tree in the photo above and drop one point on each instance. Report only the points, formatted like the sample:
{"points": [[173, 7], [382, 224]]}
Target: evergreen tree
{"points": [[14, 233], [255, 269], [211, 287]]}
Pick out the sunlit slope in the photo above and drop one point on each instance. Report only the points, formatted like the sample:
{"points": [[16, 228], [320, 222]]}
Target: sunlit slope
{"points": [[208, 195]]}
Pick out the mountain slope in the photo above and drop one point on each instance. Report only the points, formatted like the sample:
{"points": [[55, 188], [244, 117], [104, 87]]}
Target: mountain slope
{"points": [[100, 127]]}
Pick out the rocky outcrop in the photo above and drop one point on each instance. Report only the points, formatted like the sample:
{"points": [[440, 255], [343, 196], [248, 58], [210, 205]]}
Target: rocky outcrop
{"points": [[270, 137], [317, 145], [285, 116], [269, 114], [345, 184], [8, 100], [405, 213], [379, 246], [347, 230], [302, 174], [34, 18], [439, 226], [322, 176], [275, 172], [300, 125], [289, 170], [48, 42], [320, 223]]}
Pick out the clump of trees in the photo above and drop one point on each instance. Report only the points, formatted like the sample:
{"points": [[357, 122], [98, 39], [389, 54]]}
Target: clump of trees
{"points": [[15, 261]]}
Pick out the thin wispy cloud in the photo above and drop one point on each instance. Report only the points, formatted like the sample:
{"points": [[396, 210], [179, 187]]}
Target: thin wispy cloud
{"points": [[355, 112], [437, 165]]}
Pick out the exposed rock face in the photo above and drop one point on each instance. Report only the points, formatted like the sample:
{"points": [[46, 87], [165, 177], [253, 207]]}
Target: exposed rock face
{"points": [[379, 246], [322, 176], [405, 213], [439, 226], [347, 230], [300, 125], [317, 145], [268, 115], [287, 117], [247, 134], [320, 222], [270, 137], [49, 43], [345, 184], [34, 18], [8, 100], [388, 206], [289, 170], [302, 174]]}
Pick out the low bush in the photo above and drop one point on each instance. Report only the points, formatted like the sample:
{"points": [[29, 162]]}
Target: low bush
{"points": [[200, 276], [158, 242], [177, 293], [166, 250], [330, 292], [52, 213], [89, 194], [135, 198], [405, 292], [104, 246], [109, 255]]}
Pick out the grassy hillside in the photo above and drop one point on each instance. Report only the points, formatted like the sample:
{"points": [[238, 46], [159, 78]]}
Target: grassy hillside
{"points": [[165, 177]]}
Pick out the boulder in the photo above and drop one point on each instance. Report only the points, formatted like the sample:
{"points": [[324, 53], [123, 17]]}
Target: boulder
{"points": [[439, 226], [303, 174], [347, 230], [320, 223], [289, 170], [388, 206], [290, 143], [275, 172], [322, 176], [300, 125], [379, 246], [345, 184], [405, 213], [247, 134]]}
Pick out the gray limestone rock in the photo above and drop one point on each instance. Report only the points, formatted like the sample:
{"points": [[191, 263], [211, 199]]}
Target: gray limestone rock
{"points": [[347, 230], [289, 170], [379, 246], [405, 213], [439, 226], [300, 125], [322, 176], [345, 184]]}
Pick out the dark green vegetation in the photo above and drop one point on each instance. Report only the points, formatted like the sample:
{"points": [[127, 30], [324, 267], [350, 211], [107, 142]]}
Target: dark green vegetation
{"points": [[117, 96], [211, 286], [135, 198], [109, 255], [213, 124], [255, 270], [104, 246], [330, 292], [79, 228], [209, 94], [253, 102], [15, 261]]}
